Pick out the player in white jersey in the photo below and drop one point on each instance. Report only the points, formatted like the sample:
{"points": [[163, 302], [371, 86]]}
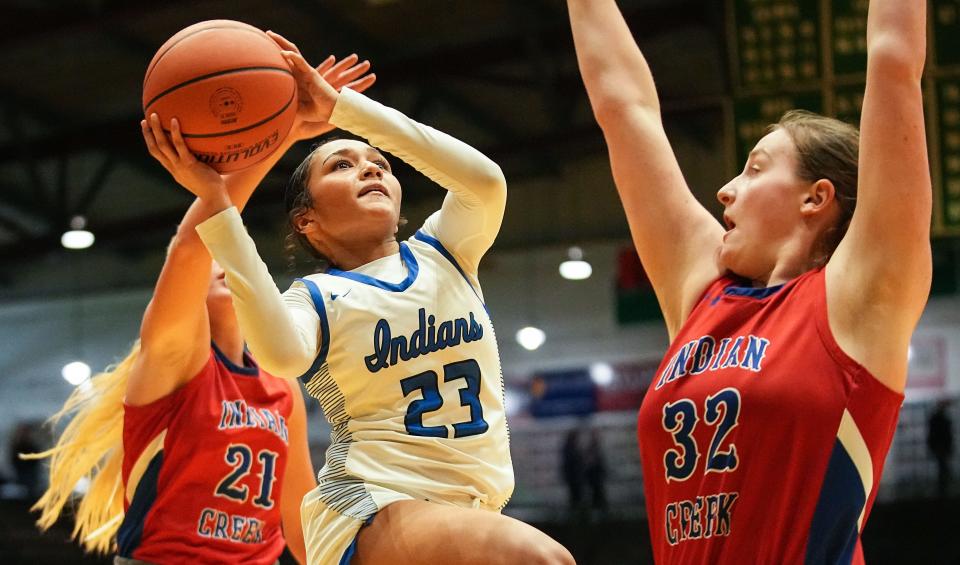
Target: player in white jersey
{"points": [[393, 339]]}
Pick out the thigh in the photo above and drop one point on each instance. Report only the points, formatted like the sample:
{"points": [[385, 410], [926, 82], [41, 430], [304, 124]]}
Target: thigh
{"points": [[415, 531], [327, 534]]}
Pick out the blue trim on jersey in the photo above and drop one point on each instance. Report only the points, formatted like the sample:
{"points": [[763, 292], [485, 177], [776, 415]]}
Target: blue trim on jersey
{"points": [[751, 292], [131, 530], [250, 368], [833, 530], [317, 298], [352, 548], [408, 260], [435, 243]]}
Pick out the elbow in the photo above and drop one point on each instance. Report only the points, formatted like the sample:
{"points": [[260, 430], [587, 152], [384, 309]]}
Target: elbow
{"points": [[893, 58], [612, 102], [615, 113], [487, 182], [494, 181]]}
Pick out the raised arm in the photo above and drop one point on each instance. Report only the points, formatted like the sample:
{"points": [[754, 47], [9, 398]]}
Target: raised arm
{"points": [[879, 277], [674, 234], [175, 332], [283, 331], [472, 212]]}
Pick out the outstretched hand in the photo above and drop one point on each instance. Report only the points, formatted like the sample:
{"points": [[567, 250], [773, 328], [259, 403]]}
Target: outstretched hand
{"points": [[318, 87], [173, 153]]}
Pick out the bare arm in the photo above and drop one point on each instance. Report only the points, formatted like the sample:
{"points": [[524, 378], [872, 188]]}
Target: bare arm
{"points": [[674, 234], [298, 478], [879, 277], [175, 332], [176, 335]]}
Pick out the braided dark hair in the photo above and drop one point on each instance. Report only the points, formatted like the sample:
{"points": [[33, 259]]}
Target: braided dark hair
{"points": [[296, 201]]}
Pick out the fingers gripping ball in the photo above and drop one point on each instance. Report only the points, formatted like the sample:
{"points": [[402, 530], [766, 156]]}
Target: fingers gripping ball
{"points": [[229, 87]]}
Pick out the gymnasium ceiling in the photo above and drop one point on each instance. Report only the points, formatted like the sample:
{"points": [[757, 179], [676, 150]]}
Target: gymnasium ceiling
{"points": [[500, 74]]}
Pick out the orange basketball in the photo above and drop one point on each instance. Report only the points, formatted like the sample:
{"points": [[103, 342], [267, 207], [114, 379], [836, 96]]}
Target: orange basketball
{"points": [[228, 86]]}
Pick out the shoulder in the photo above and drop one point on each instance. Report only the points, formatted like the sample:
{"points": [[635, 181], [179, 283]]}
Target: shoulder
{"points": [[310, 289], [424, 242], [155, 377], [713, 289], [875, 333]]}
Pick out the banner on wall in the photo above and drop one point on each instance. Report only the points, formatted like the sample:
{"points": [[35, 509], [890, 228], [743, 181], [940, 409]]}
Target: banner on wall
{"points": [[562, 393], [927, 369], [628, 386], [636, 301], [601, 387]]}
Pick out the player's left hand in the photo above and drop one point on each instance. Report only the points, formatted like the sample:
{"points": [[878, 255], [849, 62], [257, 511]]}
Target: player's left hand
{"points": [[318, 87]]}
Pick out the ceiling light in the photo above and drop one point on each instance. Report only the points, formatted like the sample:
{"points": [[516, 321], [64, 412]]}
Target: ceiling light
{"points": [[601, 374], [76, 373], [575, 268], [531, 338], [77, 237]]}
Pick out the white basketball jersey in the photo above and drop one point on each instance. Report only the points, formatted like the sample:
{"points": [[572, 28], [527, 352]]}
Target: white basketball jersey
{"points": [[409, 378]]}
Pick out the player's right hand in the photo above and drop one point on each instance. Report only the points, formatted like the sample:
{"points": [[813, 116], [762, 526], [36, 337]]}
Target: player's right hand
{"points": [[316, 96], [173, 153], [348, 72]]}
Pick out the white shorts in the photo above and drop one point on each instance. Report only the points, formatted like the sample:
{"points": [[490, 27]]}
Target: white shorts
{"points": [[330, 537]]}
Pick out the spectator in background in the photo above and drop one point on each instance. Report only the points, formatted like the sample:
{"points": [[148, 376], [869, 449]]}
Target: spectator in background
{"points": [[572, 466], [23, 440], [595, 471], [940, 442]]}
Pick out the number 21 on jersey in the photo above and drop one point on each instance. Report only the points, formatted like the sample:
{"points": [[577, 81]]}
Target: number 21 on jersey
{"points": [[240, 457]]}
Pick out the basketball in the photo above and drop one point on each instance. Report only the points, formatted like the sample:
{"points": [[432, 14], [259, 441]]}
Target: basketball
{"points": [[228, 86]]}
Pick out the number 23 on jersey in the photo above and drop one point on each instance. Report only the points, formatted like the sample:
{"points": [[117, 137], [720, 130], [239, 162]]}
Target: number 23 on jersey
{"points": [[428, 383]]}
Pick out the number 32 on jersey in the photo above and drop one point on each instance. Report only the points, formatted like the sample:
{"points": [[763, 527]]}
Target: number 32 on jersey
{"points": [[680, 419]]}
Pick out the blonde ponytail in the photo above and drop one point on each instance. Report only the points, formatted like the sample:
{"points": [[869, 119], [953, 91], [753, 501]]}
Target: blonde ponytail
{"points": [[90, 447]]}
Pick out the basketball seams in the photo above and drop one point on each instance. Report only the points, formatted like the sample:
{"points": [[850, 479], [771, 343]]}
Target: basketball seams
{"points": [[233, 93], [238, 26], [213, 75]]}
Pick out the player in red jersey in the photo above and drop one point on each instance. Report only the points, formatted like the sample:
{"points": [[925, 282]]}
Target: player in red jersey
{"points": [[764, 432], [194, 454]]}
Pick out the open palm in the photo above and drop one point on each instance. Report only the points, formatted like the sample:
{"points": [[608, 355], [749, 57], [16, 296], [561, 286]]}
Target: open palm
{"points": [[317, 87]]}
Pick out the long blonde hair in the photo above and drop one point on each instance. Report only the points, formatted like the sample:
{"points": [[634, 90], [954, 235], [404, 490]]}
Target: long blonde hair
{"points": [[90, 447]]}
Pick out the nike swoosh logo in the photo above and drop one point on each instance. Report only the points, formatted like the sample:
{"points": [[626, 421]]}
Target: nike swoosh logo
{"points": [[334, 296]]}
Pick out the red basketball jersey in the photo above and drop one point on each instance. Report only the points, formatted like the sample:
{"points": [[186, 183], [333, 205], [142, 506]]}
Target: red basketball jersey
{"points": [[203, 469], [762, 441]]}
